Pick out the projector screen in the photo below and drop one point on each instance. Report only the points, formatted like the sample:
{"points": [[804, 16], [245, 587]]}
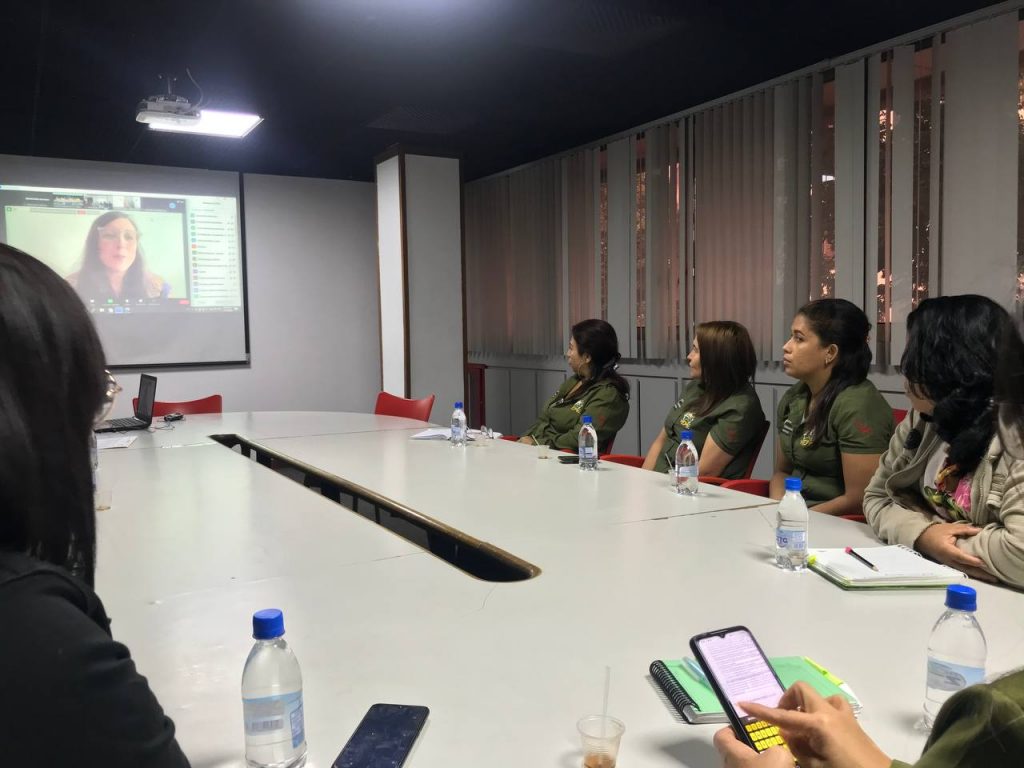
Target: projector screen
{"points": [[154, 253]]}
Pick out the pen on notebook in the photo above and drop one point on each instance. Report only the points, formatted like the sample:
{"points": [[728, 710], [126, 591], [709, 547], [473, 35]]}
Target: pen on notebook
{"points": [[849, 551], [694, 669]]}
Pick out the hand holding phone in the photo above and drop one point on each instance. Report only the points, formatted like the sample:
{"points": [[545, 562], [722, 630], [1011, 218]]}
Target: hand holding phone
{"points": [[738, 670]]}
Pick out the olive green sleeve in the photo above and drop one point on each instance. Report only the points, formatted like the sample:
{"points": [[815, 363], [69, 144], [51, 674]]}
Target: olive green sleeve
{"points": [[738, 425], [542, 426], [862, 422], [980, 726], [609, 408]]}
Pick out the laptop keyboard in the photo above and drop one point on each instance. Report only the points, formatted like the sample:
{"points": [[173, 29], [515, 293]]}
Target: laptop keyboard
{"points": [[123, 423]]}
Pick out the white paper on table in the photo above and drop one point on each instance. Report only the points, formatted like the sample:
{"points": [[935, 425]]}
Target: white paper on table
{"points": [[443, 433], [433, 433], [114, 441]]}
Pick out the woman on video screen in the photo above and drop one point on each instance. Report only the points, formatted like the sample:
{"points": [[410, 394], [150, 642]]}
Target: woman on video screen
{"points": [[113, 266]]}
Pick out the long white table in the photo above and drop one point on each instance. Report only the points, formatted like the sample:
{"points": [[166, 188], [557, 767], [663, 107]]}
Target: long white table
{"points": [[199, 538]]}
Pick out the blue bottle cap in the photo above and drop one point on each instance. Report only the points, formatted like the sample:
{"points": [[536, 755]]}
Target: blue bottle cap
{"points": [[961, 598], [458, 403], [686, 434], [794, 484], [267, 624], [587, 420]]}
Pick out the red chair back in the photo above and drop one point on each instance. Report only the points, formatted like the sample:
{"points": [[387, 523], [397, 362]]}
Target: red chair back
{"points": [[211, 404], [624, 458], [756, 487], [898, 415], [391, 405]]}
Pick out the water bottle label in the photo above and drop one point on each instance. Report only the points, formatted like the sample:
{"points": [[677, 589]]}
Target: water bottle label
{"points": [[946, 676], [686, 472], [794, 540], [588, 452], [270, 715]]}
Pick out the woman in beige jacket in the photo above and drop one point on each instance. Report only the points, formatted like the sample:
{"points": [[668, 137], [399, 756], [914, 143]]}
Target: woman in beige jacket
{"points": [[946, 487]]}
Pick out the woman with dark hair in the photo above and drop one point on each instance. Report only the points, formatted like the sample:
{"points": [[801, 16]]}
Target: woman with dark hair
{"points": [[113, 267], [981, 726], [718, 405], [946, 486], [833, 425], [595, 389], [71, 693]]}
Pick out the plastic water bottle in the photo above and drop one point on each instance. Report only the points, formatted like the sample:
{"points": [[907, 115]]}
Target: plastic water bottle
{"points": [[459, 431], [791, 528], [275, 734], [687, 462], [588, 445], [956, 651]]}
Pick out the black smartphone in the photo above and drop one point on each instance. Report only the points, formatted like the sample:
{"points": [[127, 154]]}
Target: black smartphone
{"points": [[384, 737], [569, 459], [738, 670]]}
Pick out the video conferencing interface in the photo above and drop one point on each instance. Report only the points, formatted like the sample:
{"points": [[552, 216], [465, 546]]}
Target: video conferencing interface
{"points": [[128, 252], [155, 254]]}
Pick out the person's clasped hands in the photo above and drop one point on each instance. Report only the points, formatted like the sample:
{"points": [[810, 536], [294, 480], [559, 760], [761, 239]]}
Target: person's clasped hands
{"points": [[820, 732]]}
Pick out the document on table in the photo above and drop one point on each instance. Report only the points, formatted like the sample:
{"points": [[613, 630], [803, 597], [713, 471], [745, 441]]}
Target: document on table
{"points": [[114, 441], [444, 433]]}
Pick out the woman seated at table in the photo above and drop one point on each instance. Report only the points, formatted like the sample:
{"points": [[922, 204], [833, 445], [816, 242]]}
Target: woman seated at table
{"points": [[946, 486], [833, 425], [72, 695], [595, 389], [979, 727], [718, 405]]}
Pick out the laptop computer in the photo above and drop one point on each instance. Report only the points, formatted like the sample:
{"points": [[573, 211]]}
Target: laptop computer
{"points": [[143, 412]]}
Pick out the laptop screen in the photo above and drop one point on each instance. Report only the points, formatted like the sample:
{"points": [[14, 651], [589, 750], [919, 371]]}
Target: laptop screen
{"points": [[147, 394]]}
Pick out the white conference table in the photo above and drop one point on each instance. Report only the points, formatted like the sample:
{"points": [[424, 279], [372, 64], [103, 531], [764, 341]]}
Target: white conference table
{"points": [[199, 538]]}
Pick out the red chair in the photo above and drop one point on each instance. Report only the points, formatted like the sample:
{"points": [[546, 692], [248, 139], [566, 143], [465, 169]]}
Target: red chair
{"points": [[211, 404], [898, 415], [390, 405], [511, 438], [624, 458], [748, 485]]}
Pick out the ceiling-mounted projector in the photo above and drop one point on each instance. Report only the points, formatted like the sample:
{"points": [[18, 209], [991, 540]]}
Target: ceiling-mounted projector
{"points": [[167, 109]]}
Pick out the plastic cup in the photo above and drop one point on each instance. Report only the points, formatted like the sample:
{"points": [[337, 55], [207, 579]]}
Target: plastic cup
{"points": [[543, 451], [600, 735], [104, 492]]}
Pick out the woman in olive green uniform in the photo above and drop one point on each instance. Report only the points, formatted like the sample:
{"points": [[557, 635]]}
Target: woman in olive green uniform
{"points": [[595, 389], [833, 425], [719, 405]]}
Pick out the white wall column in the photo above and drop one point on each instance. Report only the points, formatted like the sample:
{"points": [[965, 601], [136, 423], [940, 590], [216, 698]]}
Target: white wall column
{"points": [[422, 291]]}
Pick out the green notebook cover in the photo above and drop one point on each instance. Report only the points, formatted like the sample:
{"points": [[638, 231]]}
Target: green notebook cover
{"points": [[788, 668]]}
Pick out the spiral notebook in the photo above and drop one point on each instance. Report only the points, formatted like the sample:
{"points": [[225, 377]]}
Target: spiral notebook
{"points": [[696, 702], [898, 567]]}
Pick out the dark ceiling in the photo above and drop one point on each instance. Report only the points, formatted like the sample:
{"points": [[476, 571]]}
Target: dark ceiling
{"points": [[500, 82]]}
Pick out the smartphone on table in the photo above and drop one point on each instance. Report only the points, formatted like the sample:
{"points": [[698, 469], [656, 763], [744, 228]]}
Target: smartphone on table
{"points": [[384, 737], [738, 670], [567, 458]]}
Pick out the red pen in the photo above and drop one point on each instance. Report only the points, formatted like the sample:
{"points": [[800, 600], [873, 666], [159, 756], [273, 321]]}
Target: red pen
{"points": [[849, 551]]}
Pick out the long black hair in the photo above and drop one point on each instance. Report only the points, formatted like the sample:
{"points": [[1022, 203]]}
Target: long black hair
{"points": [[1009, 391], [597, 339], [52, 385], [839, 322], [92, 277], [951, 357]]}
